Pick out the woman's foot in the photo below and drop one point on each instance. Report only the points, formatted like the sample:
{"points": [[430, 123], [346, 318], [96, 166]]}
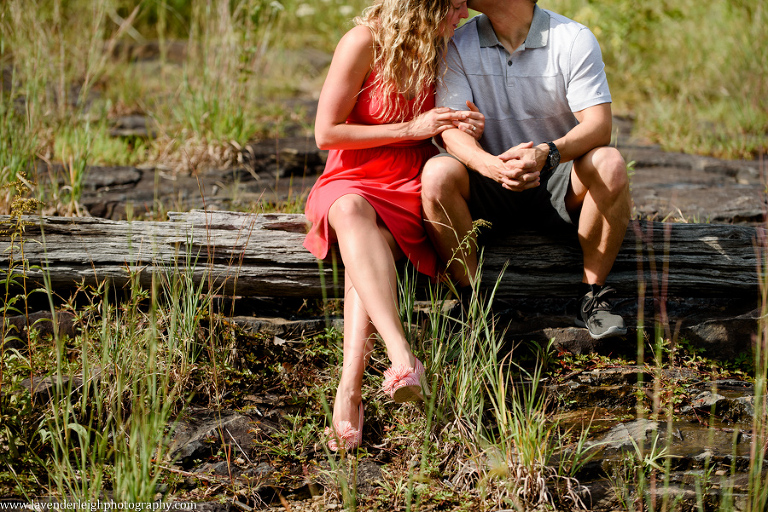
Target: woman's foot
{"points": [[405, 384], [347, 431], [343, 436]]}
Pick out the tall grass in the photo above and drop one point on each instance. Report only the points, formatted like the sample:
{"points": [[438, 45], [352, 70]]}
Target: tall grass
{"points": [[693, 73], [227, 42], [17, 155], [107, 427], [114, 435], [490, 409], [758, 455]]}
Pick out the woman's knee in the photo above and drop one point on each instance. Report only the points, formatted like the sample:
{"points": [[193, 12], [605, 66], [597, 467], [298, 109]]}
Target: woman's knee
{"points": [[349, 211]]}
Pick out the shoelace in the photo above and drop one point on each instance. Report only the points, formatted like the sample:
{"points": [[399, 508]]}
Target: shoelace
{"points": [[598, 301]]}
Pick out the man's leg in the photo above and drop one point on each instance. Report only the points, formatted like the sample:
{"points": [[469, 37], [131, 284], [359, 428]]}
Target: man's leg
{"points": [[600, 187], [444, 195]]}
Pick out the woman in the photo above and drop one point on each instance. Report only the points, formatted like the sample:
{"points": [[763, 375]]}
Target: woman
{"points": [[376, 115]]}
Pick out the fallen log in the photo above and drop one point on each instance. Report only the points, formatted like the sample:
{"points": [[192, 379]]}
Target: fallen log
{"points": [[262, 255]]}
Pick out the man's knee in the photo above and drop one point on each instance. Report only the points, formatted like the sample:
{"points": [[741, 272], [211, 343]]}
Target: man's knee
{"points": [[614, 170], [442, 178]]}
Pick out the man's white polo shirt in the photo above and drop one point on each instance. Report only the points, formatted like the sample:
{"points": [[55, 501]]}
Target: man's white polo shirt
{"points": [[531, 94]]}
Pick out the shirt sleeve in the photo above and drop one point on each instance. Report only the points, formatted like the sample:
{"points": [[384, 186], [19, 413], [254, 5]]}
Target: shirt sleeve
{"points": [[453, 88], [587, 84]]}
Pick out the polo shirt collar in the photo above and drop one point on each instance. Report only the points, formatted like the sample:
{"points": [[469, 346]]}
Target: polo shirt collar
{"points": [[538, 34]]}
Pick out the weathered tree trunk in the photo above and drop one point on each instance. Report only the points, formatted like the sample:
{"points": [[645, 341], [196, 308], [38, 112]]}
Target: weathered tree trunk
{"points": [[262, 255]]}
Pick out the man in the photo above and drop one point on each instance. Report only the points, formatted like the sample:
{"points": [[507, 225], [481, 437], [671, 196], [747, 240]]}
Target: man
{"points": [[543, 160]]}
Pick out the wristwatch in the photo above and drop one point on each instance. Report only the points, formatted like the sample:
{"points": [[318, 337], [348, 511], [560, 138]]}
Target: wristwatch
{"points": [[553, 158]]}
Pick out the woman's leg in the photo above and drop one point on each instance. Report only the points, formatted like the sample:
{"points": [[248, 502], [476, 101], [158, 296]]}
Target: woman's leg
{"points": [[358, 345], [368, 251]]}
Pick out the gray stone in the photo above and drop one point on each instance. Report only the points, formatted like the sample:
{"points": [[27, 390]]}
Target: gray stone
{"points": [[745, 407], [203, 432], [571, 339], [44, 389], [14, 332], [221, 468], [627, 435], [262, 470], [613, 376], [368, 475], [280, 327], [705, 401], [724, 337]]}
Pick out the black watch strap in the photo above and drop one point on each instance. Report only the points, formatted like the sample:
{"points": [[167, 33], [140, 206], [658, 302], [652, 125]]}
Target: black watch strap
{"points": [[553, 157]]}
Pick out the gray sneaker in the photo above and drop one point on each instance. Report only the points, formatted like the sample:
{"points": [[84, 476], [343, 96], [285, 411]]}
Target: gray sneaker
{"points": [[595, 314]]}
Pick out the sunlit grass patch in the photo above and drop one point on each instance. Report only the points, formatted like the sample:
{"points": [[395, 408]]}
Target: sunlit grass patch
{"points": [[693, 72], [485, 439]]}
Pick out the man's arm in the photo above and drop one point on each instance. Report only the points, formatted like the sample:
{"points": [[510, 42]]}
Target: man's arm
{"points": [[516, 174], [593, 130]]}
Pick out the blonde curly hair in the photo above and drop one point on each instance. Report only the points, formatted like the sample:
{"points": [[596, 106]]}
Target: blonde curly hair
{"points": [[408, 46]]}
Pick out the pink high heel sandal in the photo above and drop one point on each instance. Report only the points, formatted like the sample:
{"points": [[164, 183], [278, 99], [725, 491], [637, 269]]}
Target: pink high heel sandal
{"points": [[342, 432], [404, 384]]}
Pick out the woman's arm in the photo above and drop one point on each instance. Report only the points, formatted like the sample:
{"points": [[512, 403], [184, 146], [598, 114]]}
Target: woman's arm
{"points": [[349, 68]]}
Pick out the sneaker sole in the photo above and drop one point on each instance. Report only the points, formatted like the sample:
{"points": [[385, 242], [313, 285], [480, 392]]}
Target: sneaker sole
{"points": [[611, 332]]}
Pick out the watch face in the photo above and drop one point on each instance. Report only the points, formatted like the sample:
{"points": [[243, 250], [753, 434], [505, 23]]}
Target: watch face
{"points": [[553, 159]]}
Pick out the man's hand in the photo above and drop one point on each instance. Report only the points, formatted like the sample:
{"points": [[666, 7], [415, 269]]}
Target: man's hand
{"points": [[520, 168], [519, 172], [527, 151]]}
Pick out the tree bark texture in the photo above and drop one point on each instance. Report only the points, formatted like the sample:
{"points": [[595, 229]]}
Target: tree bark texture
{"points": [[262, 255]]}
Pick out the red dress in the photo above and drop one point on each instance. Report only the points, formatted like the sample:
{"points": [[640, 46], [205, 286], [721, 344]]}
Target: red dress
{"points": [[388, 177]]}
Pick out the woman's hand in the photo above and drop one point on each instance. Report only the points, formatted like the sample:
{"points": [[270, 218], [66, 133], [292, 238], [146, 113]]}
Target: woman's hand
{"points": [[433, 122], [473, 121]]}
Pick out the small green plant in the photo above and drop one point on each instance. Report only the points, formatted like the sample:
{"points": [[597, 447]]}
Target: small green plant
{"points": [[638, 472], [17, 155]]}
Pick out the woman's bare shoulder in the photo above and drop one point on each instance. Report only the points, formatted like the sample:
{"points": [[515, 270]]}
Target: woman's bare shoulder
{"points": [[355, 50], [360, 38]]}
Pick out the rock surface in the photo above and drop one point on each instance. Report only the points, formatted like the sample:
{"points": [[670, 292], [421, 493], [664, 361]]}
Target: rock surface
{"points": [[201, 433], [664, 185]]}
